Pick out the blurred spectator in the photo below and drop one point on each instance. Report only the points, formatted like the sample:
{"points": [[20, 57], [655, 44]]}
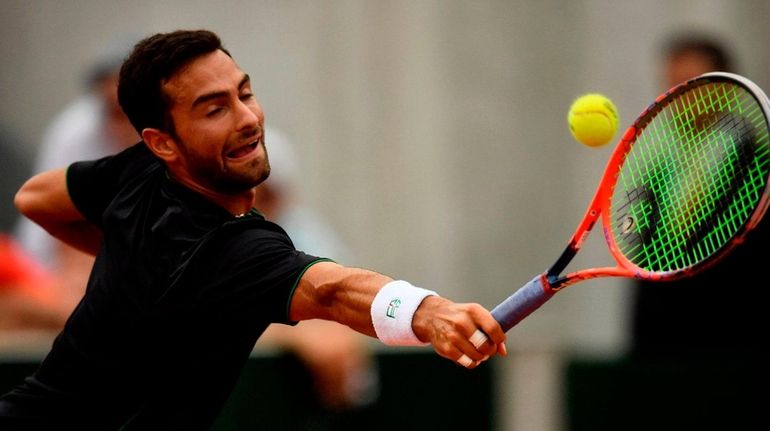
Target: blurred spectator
{"points": [[721, 311], [688, 56], [90, 127]]}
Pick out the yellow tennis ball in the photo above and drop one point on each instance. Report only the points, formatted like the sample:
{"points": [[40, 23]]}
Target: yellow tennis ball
{"points": [[593, 119]]}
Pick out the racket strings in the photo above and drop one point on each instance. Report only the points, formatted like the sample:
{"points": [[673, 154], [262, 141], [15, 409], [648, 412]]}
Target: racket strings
{"points": [[689, 225], [692, 179], [705, 209]]}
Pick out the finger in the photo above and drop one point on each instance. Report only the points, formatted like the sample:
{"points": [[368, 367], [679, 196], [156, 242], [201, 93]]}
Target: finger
{"points": [[481, 342], [465, 345], [458, 356], [465, 361], [478, 338], [488, 325], [502, 349]]}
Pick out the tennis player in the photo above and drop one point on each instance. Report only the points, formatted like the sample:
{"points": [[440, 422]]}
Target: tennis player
{"points": [[187, 273]]}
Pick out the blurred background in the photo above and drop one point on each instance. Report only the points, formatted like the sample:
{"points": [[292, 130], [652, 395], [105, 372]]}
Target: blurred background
{"points": [[432, 134]]}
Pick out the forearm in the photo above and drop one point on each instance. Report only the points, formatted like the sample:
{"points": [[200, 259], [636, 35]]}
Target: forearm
{"points": [[81, 235], [402, 313], [332, 292], [44, 200]]}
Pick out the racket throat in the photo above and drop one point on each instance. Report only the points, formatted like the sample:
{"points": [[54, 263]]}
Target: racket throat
{"points": [[552, 275]]}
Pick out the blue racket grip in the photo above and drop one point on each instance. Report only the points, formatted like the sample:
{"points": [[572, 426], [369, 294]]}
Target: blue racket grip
{"points": [[522, 303]]}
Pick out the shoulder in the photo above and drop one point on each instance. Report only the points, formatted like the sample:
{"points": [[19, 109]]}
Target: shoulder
{"points": [[112, 173], [254, 243], [245, 236], [95, 185], [122, 165], [243, 252]]}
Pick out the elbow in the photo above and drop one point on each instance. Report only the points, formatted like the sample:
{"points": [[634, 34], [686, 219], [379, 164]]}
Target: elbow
{"points": [[43, 196], [316, 293]]}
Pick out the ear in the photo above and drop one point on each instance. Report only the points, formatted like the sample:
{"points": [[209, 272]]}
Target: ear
{"points": [[161, 144]]}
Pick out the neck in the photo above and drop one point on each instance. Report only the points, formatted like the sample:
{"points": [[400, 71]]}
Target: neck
{"points": [[236, 204]]}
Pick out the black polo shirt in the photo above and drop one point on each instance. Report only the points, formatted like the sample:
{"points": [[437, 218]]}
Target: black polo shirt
{"points": [[179, 293]]}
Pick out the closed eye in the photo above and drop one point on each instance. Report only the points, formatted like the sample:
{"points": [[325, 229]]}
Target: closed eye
{"points": [[214, 111]]}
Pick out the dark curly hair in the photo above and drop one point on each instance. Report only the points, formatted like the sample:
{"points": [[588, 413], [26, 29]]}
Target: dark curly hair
{"points": [[153, 62]]}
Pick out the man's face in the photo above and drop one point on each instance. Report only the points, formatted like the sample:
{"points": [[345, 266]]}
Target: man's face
{"points": [[682, 67], [218, 125]]}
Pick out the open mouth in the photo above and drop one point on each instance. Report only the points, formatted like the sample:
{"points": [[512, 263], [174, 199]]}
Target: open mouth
{"points": [[242, 151]]}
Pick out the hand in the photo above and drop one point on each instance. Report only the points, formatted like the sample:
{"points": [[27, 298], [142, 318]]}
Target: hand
{"points": [[448, 326]]}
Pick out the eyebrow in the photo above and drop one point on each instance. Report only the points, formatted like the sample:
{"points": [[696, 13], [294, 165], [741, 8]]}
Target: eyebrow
{"points": [[217, 94]]}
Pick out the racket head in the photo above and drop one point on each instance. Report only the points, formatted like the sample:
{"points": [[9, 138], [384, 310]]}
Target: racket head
{"points": [[689, 179]]}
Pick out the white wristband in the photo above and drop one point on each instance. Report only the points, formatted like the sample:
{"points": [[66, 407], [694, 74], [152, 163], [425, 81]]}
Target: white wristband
{"points": [[392, 311]]}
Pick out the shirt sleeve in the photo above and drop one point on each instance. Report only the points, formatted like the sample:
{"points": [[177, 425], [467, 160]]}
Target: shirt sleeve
{"points": [[252, 275], [93, 184]]}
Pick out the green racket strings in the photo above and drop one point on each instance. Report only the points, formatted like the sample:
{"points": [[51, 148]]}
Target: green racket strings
{"points": [[693, 178]]}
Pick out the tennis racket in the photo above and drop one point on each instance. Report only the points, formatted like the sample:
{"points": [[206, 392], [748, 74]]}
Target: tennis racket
{"points": [[685, 184]]}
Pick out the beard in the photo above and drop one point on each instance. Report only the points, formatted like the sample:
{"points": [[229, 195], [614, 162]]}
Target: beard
{"points": [[226, 180]]}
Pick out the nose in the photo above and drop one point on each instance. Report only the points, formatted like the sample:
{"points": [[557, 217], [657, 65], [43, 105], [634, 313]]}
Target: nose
{"points": [[249, 115]]}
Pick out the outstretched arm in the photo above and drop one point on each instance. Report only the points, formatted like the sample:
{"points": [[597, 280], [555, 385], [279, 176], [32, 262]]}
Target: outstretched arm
{"points": [[44, 199], [333, 292]]}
